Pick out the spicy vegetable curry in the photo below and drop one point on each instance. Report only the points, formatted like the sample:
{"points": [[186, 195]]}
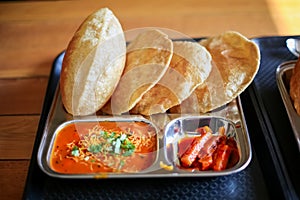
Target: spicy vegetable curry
{"points": [[105, 146]]}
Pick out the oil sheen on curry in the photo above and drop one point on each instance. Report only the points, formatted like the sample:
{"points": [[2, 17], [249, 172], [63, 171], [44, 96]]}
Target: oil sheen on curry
{"points": [[105, 146]]}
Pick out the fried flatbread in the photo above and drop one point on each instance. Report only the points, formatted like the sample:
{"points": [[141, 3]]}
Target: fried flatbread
{"points": [[235, 62], [148, 57], [189, 67], [93, 63], [295, 86]]}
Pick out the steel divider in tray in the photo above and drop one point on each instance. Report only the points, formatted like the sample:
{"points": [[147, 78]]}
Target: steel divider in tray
{"points": [[250, 183]]}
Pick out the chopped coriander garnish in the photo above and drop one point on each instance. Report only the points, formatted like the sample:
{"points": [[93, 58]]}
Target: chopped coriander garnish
{"points": [[123, 137], [117, 146], [122, 163], [95, 148], [114, 144], [75, 151], [127, 145], [128, 152], [112, 135]]}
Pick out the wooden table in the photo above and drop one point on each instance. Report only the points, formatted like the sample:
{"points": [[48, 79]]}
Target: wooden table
{"points": [[33, 33]]}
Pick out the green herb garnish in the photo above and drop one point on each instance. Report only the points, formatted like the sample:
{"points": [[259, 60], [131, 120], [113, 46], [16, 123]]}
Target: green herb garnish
{"points": [[75, 151], [113, 144], [122, 163], [128, 152], [95, 148]]}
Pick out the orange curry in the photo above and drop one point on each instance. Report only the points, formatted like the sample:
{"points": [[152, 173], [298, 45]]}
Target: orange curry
{"points": [[106, 146]]}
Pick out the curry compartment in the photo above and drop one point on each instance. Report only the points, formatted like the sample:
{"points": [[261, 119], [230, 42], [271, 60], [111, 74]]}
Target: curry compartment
{"points": [[99, 147], [283, 76], [206, 145]]}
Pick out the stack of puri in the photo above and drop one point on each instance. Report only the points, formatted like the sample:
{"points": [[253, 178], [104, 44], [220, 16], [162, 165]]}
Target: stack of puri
{"points": [[152, 74], [235, 62]]}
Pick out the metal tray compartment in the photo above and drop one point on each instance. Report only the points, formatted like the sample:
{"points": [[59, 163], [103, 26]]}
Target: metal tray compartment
{"points": [[184, 127], [163, 122], [283, 76], [82, 126]]}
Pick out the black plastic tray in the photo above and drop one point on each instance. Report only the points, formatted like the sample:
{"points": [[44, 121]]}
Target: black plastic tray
{"points": [[271, 174]]}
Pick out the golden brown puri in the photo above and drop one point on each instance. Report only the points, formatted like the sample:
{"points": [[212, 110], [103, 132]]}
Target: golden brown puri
{"points": [[147, 60], [93, 63], [189, 67], [235, 62]]}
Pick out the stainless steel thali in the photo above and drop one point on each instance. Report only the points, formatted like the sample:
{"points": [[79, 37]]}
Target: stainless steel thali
{"points": [[229, 115]]}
